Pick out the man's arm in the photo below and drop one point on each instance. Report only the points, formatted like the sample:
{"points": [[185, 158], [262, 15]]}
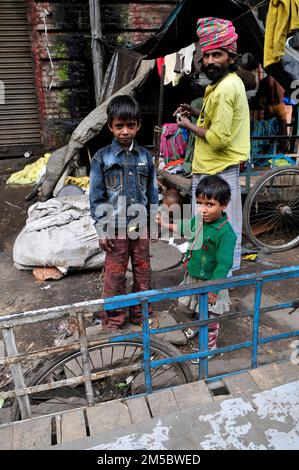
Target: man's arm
{"points": [[187, 124], [219, 133]]}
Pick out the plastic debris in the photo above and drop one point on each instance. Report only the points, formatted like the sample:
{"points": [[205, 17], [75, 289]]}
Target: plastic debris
{"points": [[121, 385], [42, 274], [82, 181], [251, 257], [27, 154], [31, 173]]}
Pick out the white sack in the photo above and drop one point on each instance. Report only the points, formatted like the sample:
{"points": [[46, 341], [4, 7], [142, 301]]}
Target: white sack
{"points": [[59, 232]]}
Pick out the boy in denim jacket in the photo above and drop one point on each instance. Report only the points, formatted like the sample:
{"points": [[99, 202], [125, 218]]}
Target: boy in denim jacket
{"points": [[123, 201]]}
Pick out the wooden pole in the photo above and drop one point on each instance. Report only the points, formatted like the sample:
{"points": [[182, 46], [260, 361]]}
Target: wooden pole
{"points": [[97, 53], [17, 373], [157, 130]]}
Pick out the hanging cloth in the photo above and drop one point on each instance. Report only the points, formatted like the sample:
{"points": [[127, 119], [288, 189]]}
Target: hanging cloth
{"points": [[186, 55], [282, 19], [170, 75]]}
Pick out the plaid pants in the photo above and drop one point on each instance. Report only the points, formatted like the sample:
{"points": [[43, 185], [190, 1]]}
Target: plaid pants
{"points": [[213, 331], [116, 263]]}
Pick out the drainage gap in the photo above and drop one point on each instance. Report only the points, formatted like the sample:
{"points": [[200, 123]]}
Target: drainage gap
{"points": [[87, 429], [218, 388], [148, 405], [53, 431]]}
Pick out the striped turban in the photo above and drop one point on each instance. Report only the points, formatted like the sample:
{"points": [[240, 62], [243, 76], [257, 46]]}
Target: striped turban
{"points": [[215, 33]]}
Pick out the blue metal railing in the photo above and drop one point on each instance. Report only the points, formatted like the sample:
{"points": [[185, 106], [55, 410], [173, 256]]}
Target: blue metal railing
{"points": [[82, 309], [144, 298], [250, 169]]}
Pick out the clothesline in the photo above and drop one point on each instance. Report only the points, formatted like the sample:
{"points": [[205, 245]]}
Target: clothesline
{"points": [[263, 2]]}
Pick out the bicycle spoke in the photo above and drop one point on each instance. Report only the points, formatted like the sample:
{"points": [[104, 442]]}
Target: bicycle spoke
{"points": [[107, 387]]}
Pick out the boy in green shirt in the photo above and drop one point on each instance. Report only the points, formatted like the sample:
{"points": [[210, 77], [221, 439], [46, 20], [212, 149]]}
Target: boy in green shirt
{"points": [[211, 250]]}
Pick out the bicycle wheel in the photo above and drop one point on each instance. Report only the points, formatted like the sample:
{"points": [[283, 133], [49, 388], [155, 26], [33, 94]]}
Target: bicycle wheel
{"points": [[271, 210], [103, 357]]}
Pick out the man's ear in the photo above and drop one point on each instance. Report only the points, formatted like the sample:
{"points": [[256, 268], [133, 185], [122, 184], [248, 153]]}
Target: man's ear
{"points": [[233, 58], [110, 128]]}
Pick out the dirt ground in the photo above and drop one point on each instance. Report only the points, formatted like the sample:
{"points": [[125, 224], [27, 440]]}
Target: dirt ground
{"points": [[21, 292]]}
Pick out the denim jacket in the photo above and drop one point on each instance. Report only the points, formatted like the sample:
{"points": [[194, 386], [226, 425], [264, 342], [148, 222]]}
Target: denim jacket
{"points": [[119, 179]]}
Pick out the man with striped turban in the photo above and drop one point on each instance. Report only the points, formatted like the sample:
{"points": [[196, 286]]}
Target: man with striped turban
{"points": [[222, 132]]}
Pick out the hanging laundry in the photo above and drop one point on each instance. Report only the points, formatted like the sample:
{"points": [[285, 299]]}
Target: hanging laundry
{"points": [[172, 142], [282, 19], [186, 58], [170, 75], [160, 62]]}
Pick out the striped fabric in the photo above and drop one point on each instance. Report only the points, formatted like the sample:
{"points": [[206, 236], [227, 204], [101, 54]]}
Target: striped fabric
{"points": [[216, 33]]}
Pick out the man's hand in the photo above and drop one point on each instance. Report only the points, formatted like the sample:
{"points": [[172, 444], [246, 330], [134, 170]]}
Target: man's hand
{"points": [[106, 244], [183, 122], [184, 110], [212, 298]]}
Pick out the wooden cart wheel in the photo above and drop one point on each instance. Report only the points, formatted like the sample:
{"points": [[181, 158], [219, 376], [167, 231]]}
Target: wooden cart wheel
{"points": [[271, 210]]}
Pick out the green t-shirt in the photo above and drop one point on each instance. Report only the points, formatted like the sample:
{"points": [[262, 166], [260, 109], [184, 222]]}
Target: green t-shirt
{"points": [[211, 250]]}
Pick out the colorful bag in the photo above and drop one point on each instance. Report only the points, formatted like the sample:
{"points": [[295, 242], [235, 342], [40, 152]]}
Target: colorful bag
{"points": [[172, 143]]}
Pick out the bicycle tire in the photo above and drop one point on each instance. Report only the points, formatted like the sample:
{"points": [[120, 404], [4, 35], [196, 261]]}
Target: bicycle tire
{"points": [[41, 373], [277, 211]]}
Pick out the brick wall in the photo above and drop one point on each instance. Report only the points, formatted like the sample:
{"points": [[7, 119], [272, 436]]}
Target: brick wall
{"points": [[62, 57]]}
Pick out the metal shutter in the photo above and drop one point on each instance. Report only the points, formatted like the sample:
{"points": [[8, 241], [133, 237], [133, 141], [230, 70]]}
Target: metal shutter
{"points": [[19, 119]]}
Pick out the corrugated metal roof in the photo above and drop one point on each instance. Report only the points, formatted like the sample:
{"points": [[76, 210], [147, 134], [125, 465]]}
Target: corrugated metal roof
{"points": [[19, 117]]}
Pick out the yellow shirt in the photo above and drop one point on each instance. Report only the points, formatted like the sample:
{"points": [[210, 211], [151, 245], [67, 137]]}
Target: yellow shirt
{"points": [[282, 18], [225, 115]]}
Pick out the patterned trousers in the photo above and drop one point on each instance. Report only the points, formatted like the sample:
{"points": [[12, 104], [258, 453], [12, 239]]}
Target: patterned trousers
{"points": [[213, 329], [116, 263]]}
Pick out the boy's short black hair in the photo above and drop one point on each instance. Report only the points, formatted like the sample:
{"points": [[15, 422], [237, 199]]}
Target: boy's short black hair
{"points": [[123, 107], [214, 187]]}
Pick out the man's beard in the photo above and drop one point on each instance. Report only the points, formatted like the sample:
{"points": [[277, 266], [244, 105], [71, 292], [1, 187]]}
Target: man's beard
{"points": [[215, 72]]}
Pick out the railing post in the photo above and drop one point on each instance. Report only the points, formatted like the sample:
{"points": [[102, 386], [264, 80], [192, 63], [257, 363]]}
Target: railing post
{"points": [[85, 359], [146, 347], [256, 321], [17, 373], [248, 172], [203, 335]]}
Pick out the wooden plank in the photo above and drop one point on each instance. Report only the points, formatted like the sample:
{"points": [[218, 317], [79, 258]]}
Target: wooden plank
{"points": [[32, 433], [108, 416], [289, 371], [6, 431], [179, 182], [138, 409], [73, 426], [163, 402], [262, 227], [193, 394], [267, 376], [17, 371], [241, 384]]}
